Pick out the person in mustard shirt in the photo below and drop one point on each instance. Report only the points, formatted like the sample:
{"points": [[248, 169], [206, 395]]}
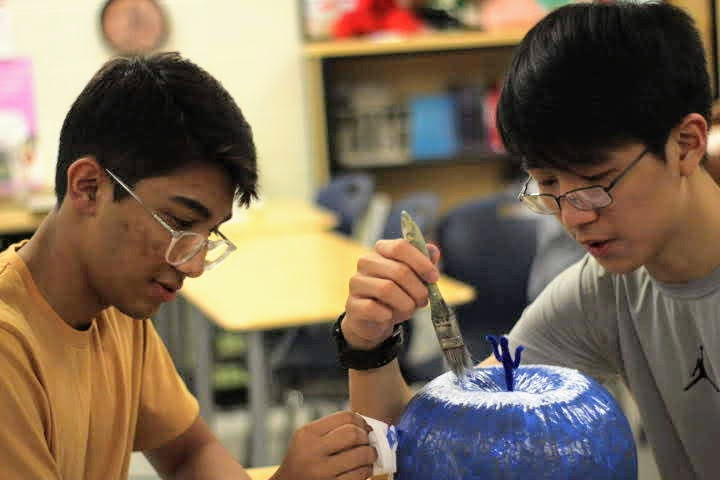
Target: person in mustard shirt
{"points": [[152, 155]]}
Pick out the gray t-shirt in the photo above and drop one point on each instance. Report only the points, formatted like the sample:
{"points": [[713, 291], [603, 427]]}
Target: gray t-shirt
{"points": [[662, 339]]}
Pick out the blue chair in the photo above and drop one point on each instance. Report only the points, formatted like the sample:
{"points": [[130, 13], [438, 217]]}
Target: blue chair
{"points": [[490, 244], [304, 358], [348, 196], [422, 206]]}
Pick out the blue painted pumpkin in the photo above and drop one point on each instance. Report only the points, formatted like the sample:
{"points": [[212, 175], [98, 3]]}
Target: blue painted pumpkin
{"points": [[556, 424]]}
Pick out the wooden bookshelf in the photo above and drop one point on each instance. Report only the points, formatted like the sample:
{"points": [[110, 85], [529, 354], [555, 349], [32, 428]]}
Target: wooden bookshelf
{"points": [[442, 41], [412, 65]]}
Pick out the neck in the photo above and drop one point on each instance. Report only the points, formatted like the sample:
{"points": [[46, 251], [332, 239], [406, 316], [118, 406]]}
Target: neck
{"points": [[59, 272], [691, 251]]}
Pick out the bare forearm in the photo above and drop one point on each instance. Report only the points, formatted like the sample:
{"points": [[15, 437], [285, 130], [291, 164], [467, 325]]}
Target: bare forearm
{"points": [[380, 393], [211, 461]]}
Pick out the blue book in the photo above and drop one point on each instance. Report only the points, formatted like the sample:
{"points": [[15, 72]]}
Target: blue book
{"points": [[433, 127]]}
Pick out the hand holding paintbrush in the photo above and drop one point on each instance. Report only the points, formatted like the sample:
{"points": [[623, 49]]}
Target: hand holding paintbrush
{"points": [[443, 317]]}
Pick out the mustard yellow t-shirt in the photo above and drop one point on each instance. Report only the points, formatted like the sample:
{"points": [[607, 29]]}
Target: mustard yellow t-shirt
{"points": [[74, 404]]}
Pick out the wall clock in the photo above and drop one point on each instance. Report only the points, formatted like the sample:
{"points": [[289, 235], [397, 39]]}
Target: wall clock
{"points": [[133, 26]]}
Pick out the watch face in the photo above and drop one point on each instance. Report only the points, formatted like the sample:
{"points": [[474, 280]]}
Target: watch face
{"points": [[133, 26]]}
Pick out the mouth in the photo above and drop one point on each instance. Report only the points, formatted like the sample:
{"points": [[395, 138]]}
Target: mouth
{"points": [[172, 288], [165, 291], [597, 247]]}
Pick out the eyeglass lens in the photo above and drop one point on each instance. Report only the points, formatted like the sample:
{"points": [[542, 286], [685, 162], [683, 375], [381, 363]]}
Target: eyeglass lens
{"points": [[189, 244], [585, 199]]}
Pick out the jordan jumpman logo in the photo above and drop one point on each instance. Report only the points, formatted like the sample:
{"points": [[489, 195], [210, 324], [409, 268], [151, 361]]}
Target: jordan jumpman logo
{"points": [[701, 372]]}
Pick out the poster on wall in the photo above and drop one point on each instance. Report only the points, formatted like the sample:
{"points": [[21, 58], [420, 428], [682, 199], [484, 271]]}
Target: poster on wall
{"points": [[18, 124]]}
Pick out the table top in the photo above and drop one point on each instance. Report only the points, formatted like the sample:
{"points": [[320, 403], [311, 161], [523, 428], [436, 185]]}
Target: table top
{"points": [[264, 473], [16, 219], [265, 218], [283, 281], [279, 217]]}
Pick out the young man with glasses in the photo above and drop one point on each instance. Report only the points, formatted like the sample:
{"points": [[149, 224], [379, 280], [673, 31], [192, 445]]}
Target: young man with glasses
{"points": [[609, 106], [152, 155]]}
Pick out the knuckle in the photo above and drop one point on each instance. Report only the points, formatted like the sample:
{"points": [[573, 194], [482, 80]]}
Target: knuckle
{"points": [[354, 283], [347, 416], [401, 272], [359, 436], [386, 288], [363, 263]]}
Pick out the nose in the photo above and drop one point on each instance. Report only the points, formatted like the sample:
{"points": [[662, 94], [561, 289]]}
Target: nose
{"points": [[194, 267], [572, 217]]}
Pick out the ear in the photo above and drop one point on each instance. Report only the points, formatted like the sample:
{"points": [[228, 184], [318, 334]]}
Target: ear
{"points": [[689, 139], [85, 177]]}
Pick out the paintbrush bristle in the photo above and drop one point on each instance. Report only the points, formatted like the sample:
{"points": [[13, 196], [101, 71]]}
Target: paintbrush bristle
{"points": [[458, 360]]}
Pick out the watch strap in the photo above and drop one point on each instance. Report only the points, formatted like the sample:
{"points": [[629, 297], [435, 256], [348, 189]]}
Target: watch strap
{"points": [[355, 359]]}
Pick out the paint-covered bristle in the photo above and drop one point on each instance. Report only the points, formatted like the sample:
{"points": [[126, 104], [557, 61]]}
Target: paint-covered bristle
{"points": [[458, 360]]}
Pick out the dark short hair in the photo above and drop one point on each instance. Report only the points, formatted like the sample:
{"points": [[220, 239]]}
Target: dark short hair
{"points": [[143, 117], [590, 77]]}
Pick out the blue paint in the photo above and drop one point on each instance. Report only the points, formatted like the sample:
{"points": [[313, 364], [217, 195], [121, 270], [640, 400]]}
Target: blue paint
{"points": [[556, 424], [509, 365]]}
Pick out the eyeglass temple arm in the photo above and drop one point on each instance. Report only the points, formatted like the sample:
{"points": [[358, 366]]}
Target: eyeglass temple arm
{"points": [[134, 195], [524, 189]]}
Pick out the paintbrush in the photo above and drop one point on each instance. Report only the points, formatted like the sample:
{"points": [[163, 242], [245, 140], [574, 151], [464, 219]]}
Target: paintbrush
{"points": [[456, 354]]}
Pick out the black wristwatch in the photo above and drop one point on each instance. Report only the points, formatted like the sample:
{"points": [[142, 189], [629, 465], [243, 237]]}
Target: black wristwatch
{"points": [[366, 359]]}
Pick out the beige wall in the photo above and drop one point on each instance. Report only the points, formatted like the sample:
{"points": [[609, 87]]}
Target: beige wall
{"points": [[251, 46]]}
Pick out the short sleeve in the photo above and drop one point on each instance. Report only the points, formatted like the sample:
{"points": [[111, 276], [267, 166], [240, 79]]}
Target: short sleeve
{"points": [[166, 407], [573, 323], [24, 414]]}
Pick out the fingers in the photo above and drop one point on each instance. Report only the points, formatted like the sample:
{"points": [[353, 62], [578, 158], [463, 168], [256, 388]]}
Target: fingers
{"points": [[403, 252], [358, 458], [361, 473], [390, 293], [327, 424], [390, 284], [344, 438]]}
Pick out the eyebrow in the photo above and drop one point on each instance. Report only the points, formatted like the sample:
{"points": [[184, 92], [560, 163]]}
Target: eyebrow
{"points": [[193, 205], [198, 207]]}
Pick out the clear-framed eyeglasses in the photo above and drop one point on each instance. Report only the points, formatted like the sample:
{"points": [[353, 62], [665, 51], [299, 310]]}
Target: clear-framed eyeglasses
{"points": [[185, 245], [584, 198]]}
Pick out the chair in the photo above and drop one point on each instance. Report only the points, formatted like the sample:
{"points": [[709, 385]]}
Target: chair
{"points": [[348, 196], [490, 244], [304, 358], [422, 206]]}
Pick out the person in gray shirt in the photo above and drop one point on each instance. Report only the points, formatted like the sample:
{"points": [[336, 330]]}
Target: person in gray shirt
{"points": [[608, 104]]}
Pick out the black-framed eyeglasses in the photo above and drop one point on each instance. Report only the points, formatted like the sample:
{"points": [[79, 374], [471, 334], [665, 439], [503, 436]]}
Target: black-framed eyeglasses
{"points": [[584, 198], [185, 245]]}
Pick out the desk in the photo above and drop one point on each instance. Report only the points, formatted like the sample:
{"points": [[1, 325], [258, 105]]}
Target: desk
{"points": [[279, 216], [269, 217], [15, 220], [277, 281], [265, 473]]}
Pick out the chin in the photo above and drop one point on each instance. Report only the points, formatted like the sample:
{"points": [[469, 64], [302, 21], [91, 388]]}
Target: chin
{"points": [[138, 312], [619, 267]]}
